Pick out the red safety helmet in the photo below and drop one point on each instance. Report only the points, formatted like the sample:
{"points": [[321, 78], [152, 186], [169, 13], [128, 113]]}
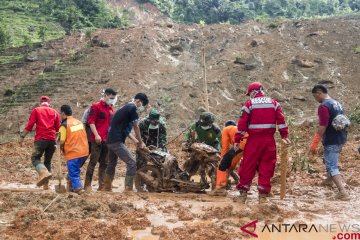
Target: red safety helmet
{"points": [[44, 99], [254, 86]]}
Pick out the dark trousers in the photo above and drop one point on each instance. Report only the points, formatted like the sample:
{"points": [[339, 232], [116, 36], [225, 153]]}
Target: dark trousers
{"points": [[119, 150], [40, 147], [98, 154]]}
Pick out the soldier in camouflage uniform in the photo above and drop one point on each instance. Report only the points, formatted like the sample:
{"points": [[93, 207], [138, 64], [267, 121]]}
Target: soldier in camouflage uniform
{"points": [[153, 130], [204, 131]]}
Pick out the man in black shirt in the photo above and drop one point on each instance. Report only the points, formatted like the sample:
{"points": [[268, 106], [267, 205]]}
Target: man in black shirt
{"points": [[120, 127]]}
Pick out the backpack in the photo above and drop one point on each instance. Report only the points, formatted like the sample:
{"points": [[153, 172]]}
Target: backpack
{"points": [[84, 120], [340, 122], [85, 116]]}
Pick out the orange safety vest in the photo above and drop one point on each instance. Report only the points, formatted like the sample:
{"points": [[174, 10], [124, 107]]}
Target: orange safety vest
{"points": [[76, 143]]}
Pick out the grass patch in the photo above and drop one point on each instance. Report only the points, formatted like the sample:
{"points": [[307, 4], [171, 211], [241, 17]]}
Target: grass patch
{"points": [[45, 84], [355, 115], [11, 59], [24, 28], [357, 50]]}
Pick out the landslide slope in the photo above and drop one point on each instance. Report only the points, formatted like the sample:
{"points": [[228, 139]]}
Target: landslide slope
{"points": [[163, 59]]}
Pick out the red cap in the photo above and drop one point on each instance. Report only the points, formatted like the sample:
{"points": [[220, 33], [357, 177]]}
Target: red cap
{"points": [[253, 86], [44, 99]]}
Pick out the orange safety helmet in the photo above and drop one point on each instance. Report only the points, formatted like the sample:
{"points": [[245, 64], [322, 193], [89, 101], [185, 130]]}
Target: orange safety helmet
{"points": [[254, 86]]}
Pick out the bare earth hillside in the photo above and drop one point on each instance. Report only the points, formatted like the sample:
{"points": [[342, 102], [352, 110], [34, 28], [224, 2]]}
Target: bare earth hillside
{"points": [[163, 60]]}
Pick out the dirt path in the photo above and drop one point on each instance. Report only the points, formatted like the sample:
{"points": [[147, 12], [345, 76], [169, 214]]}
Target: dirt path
{"points": [[169, 215]]}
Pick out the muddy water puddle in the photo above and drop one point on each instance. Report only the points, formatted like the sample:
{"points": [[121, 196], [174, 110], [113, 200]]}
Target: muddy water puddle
{"points": [[174, 211], [142, 234]]}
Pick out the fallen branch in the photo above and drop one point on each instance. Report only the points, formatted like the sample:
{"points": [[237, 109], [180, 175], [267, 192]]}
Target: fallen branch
{"points": [[51, 202], [20, 190]]}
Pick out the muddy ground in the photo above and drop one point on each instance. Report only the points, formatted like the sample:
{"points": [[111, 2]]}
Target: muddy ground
{"points": [[163, 59], [121, 215]]}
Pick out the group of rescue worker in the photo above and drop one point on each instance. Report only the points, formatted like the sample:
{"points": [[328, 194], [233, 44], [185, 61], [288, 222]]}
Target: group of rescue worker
{"points": [[250, 141]]}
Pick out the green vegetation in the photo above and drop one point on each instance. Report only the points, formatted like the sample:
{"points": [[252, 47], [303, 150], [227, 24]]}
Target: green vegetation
{"points": [[4, 37], [302, 164], [355, 115], [25, 22], [236, 11], [6, 59], [357, 50]]}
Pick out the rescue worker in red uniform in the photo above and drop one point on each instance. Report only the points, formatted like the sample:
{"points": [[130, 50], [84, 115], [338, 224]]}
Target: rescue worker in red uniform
{"points": [[47, 121], [260, 117]]}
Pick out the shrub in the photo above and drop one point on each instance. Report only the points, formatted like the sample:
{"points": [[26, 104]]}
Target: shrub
{"points": [[4, 37], [357, 50], [355, 115]]}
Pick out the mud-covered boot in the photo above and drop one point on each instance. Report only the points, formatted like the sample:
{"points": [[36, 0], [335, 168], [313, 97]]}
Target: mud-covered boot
{"points": [[129, 183], [46, 185], [343, 196], [44, 177], [79, 191], [107, 183], [221, 182], [241, 198], [221, 191], [87, 186], [263, 198], [328, 182], [101, 180]]}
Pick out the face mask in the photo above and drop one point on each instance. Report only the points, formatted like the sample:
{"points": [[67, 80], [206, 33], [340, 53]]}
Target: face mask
{"points": [[111, 101], [153, 126], [205, 127], [140, 109]]}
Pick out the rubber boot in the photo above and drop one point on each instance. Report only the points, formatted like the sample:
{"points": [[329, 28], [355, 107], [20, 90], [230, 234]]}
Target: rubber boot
{"points": [[87, 185], [221, 181], [108, 183], [241, 198], [101, 180], [263, 198], [129, 183], [328, 182], [343, 196], [79, 191], [46, 185], [44, 177]]}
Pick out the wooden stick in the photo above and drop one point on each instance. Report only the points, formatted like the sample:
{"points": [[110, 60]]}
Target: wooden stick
{"points": [[51, 202], [20, 190], [205, 80], [283, 165]]}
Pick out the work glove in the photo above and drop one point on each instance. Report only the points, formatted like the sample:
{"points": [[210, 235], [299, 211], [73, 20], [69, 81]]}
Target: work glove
{"points": [[315, 143]]}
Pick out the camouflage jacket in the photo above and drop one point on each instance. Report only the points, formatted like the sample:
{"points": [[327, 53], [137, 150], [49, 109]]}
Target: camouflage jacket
{"points": [[211, 137], [155, 137]]}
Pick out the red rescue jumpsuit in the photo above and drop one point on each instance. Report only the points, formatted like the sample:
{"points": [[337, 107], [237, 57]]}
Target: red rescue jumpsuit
{"points": [[260, 117]]}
